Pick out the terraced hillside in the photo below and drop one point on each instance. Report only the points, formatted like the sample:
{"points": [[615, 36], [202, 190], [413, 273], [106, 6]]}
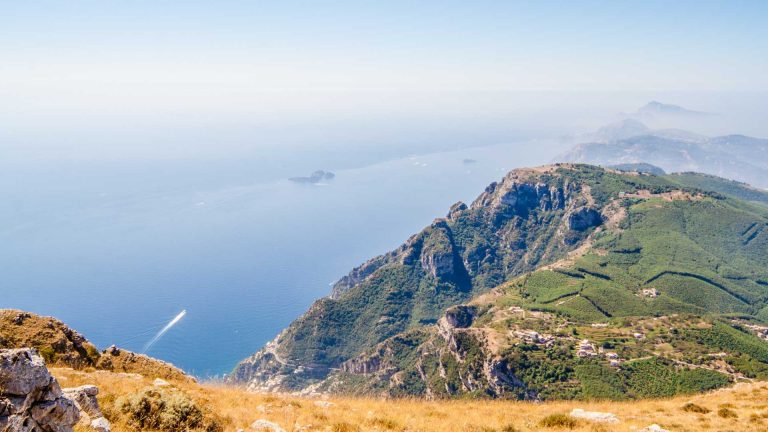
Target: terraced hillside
{"points": [[632, 276]]}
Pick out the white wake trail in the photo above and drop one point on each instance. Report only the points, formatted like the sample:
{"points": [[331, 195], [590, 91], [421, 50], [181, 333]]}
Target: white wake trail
{"points": [[163, 331]]}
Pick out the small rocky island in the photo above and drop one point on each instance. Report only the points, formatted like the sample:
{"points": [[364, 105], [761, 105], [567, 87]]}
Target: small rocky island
{"points": [[314, 178]]}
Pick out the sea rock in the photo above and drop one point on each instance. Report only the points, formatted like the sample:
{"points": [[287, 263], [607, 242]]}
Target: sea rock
{"points": [[266, 425], [30, 398], [594, 416]]}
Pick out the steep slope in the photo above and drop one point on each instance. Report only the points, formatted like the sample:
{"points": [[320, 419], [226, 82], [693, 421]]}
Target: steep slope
{"points": [[373, 333], [668, 296], [531, 217], [60, 345]]}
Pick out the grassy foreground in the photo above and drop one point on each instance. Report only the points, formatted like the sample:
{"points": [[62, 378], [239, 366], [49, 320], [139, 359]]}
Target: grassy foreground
{"points": [[740, 408]]}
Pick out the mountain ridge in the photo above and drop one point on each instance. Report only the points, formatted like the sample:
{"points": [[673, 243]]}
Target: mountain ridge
{"points": [[737, 157], [557, 213]]}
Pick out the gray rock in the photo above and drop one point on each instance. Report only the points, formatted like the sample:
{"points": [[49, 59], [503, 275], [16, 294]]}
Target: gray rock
{"points": [[584, 218], [266, 425], [84, 398], [100, 425], [159, 382], [30, 398], [653, 428], [595, 416]]}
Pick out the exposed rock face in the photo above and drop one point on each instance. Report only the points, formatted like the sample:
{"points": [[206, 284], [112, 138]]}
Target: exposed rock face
{"points": [[512, 227], [438, 257], [460, 316], [584, 218], [30, 398], [85, 400]]}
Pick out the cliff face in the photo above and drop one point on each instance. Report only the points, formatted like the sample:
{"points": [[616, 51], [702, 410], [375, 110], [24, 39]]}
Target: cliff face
{"points": [[530, 218], [570, 254], [667, 296]]}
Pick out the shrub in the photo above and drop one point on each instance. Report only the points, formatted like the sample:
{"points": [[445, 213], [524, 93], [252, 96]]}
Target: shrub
{"points": [[692, 407], [558, 421], [344, 427], [509, 428], [48, 354], [166, 410], [384, 423], [727, 413]]}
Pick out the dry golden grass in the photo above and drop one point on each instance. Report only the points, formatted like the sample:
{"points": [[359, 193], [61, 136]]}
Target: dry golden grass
{"points": [[237, 409]]}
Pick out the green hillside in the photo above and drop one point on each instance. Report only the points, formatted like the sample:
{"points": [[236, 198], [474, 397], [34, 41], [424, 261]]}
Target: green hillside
{"points": [[607, 285]]}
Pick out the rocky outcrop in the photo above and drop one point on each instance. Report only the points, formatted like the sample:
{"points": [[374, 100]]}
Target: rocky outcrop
{"points": [[90, 413], [512, 227], [30, 398], [460, 316], [438, 256], [356, 276], [594, 416], [584, 218], [60, 345], [119, 360], [54, 340]]}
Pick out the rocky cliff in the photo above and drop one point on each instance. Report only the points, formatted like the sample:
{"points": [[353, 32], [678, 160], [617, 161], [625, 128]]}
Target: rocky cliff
{"points": [[530, 218], [561, 265]]}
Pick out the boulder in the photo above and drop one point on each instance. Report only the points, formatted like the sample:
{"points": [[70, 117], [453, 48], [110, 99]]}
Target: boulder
{"points": [[85, 400], [595, 416], [30, 398], [653, 428], [159, 382], [266, 425]]}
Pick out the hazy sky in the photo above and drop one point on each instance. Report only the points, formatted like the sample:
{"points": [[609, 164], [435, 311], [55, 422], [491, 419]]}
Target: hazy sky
{"points": [[64, 62], [567, 45]]}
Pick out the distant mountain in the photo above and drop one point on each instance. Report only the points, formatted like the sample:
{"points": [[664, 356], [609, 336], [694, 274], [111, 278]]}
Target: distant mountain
{"points": [[566, 281], [736, 157], [655, 108]]}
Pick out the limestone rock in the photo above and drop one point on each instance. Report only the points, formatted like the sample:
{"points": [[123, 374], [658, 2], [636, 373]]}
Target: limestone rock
{"points": [[159, 382], [30, 398], [653, 428], [266, 425], [584, 218], [100, 425], [85, 400], [594, 416]]}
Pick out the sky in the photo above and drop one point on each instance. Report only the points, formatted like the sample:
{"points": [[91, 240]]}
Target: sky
{"points": [[111, 64]]}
